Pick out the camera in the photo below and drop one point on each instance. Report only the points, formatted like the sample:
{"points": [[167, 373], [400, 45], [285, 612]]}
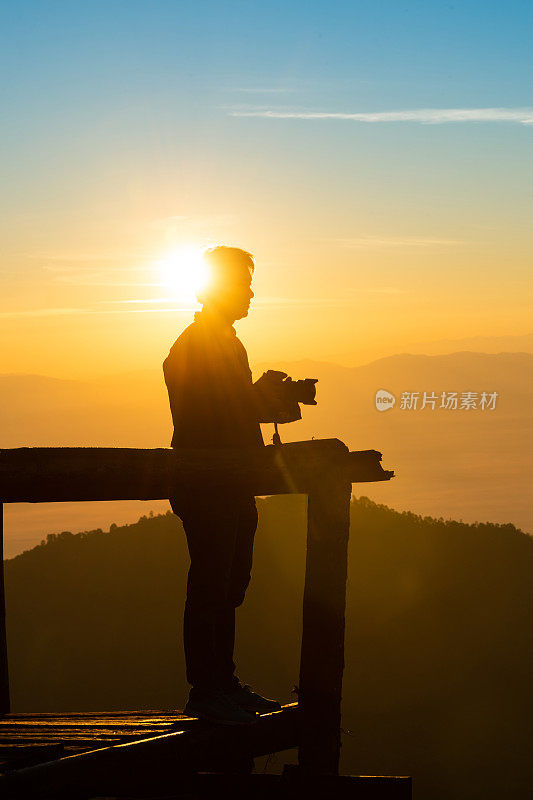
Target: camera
{"points": [[280, 396]]}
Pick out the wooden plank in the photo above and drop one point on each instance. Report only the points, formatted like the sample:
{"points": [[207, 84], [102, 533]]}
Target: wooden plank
{"points": [[90, 735], [365, 465], [19, 757], [29, 739], [80, 732], [299, 784], [26, 729], [4, 674], [8, 723], [240, 786], [141, 765], [49, 474], [80, 717], [322, 655]]}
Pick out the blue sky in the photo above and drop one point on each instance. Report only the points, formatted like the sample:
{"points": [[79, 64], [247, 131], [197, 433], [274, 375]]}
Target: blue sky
{"points": [[118, 115], [380, 53], [101, 81]]}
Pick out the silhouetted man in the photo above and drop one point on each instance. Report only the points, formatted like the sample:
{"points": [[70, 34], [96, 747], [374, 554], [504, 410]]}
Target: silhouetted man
{"points": [[214, 404]]}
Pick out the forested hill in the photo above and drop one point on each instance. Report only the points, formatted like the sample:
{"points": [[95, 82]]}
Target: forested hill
{"points": [[439, 639]]}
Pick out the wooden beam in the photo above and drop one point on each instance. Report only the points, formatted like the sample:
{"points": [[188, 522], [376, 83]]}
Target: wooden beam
{"points": [[50, 474], [365, 465], [322, 655], [4, 675]]}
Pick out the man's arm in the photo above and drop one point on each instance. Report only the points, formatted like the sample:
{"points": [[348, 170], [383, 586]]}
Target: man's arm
{"points": [[191, 395]]}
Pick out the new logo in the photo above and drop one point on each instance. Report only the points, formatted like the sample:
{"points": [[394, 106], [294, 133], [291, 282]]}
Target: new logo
{"points": [[384, 400]]}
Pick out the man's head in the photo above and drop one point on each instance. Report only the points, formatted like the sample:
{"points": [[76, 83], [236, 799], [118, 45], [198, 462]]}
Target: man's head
{"points": [[228, 289]]}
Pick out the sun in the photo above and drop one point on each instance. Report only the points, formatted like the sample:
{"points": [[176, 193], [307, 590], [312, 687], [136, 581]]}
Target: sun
{"points": [[183, 272]]}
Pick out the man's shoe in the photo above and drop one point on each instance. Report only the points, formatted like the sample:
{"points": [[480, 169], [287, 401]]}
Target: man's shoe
{"points": [[251, 701], [216, 706]]}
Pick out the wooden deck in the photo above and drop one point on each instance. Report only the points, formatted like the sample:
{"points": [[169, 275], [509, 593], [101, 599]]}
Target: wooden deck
{"points": [[155, 754], [119, 753], [27, 739]]}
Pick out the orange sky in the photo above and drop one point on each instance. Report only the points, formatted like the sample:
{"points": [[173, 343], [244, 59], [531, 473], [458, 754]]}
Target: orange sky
{"points": [[92, 297], [383, 182]]}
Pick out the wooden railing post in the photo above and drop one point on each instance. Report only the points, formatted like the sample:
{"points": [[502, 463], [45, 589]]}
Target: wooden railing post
{"points": [[322, 655], [4, 676]]}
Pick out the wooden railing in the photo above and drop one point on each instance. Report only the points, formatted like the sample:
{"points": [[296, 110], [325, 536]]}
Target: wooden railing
{"points": [[323, 469]]}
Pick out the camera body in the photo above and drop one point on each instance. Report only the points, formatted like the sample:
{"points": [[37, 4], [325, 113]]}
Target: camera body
{"points": [[280, 396]]}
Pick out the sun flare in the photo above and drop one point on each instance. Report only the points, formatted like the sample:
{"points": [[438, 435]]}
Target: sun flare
{"points": [[183, 272]]}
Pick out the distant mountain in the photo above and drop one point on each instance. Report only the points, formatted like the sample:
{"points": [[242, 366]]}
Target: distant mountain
{"points": [[478, 344], [439, 642], [472, 465]]}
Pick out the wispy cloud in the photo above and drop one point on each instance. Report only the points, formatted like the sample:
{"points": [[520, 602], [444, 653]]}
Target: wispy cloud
{"points": [[88, 275], [272, 302], [395, 241], [94, 280], [42, 312], [199, 227], [53, 312], [383, 290], [154, 300], [79, 257], [426, 116], [262, 90], [258, 304], [322, 302]]}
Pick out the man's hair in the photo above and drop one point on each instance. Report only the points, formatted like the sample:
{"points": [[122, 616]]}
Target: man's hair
{"points": [[226, 266]]}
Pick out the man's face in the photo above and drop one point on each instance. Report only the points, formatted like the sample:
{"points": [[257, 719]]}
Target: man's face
{"points": [[234, 301]]}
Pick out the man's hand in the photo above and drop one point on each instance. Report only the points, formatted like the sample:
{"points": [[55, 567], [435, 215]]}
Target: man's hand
{"points": [[269, 395], [271, 381]]}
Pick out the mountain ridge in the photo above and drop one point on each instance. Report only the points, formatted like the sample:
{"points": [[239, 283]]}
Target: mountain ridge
{"points": [[463, 464], [263, 364], [438, 635]]}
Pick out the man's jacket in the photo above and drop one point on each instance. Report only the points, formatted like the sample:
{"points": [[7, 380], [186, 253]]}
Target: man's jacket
{"points": [[209, 382]]}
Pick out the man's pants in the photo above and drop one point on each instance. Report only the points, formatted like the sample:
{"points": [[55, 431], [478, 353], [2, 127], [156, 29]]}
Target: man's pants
{"points": [[220, 529]]}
